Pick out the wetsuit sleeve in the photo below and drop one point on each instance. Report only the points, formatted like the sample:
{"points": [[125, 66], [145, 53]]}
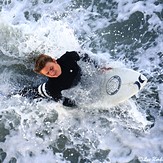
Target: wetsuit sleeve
{"points": [[56, 96], [86, 58], [73, 55], [76, 56], [40, 92]]}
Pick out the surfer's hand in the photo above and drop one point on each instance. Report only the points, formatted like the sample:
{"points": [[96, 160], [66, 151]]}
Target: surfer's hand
{"points": [[103, 69], [69, 102]]}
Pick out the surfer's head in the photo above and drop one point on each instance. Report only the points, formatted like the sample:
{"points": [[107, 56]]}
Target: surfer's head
{"points": [[47, 66]]}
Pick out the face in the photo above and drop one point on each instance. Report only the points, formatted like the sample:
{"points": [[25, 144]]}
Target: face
{"points": [[51, 69]]}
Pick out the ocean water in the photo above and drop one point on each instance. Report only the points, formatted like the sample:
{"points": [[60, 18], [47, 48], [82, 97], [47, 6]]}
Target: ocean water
{"points": [[118, 33]]}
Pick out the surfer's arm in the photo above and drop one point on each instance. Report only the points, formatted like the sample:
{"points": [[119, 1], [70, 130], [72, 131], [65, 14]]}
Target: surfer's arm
{"points": [[98, 63], [55, 95], [86, 58], [40, 92], [79, 55], [64, 100]]}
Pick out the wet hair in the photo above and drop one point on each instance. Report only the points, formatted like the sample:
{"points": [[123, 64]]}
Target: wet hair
{"points": [[41, 61]]}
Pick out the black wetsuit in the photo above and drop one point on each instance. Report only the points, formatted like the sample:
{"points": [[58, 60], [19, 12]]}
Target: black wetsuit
{"points": [[69, 77]]}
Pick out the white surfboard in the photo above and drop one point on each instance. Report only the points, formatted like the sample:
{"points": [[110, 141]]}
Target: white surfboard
{"points": [[119, 84]]}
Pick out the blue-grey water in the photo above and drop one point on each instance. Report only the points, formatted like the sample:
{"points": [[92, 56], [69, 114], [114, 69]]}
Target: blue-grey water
{"points": [[120, 33]]}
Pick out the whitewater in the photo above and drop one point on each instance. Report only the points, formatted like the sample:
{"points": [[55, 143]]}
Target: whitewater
{"points": [[117, 33]]}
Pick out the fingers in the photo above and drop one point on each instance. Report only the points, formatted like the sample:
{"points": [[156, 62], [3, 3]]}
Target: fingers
{"points": [[103, 69]]}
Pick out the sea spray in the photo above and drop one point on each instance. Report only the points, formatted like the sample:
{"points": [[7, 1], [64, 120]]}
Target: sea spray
{"points": [[126, 32]]}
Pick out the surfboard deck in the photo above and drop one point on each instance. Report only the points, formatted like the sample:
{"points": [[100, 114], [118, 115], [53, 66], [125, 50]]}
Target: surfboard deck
{"points": [[120, 84]]}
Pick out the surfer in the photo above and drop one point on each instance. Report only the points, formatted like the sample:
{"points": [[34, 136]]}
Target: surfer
{"points": [[62, 73]]}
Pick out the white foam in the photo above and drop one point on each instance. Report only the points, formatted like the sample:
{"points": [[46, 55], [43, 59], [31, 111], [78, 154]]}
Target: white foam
{"points": [[118, 128], [126, 8], [52, 37], [161, 94]]}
